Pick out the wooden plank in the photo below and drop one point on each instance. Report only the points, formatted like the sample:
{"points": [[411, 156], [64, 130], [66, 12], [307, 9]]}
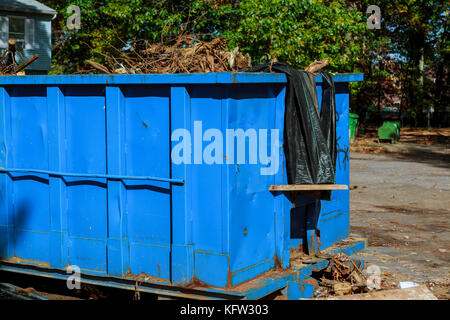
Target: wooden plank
{"points": [[307, 187], [26, 63]]}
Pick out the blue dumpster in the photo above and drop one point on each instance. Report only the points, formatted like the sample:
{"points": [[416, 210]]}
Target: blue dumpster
{"points": [[153, 178]]}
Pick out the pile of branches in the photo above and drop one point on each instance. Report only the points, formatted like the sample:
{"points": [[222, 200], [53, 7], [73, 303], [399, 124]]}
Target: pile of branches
{"points": [[342, 276], [8, 61], [342, 266], [187, 54]]}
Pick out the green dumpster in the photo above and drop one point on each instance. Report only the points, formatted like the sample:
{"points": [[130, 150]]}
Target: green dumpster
{"points": [[390, 130], [353, 125]]}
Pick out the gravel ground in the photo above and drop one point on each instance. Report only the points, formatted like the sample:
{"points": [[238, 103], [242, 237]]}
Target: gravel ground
{"points": [[400, 201]]}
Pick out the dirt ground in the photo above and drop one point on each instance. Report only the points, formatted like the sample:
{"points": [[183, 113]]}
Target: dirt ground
{"points": [[399, 200]]}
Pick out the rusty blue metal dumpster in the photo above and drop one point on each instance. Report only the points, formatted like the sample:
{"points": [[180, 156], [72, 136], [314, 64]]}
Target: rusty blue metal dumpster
{"points": [[88, 179]]}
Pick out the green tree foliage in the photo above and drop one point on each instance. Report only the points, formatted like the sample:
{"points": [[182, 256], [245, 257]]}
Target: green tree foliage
{"points": [[299, 32], [414, 56]]}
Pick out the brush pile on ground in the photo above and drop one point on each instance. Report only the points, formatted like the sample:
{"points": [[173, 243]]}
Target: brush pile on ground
{"points": [[342, 276], [187, 54]]}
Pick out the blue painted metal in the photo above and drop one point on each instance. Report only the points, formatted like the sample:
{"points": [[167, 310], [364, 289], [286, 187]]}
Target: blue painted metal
{"points": [[86, 175], [104, 195], [148, 79], [298, 290]]}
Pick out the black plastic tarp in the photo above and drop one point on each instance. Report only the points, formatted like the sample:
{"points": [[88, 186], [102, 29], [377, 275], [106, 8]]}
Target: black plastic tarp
{"points": [[309, 133]]}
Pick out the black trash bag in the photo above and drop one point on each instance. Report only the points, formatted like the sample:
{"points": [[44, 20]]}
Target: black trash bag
{"points": [[309, 134]]}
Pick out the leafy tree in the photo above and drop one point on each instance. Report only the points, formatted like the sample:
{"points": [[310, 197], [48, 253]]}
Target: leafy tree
{"points": [[299, 32], [417, 42]]}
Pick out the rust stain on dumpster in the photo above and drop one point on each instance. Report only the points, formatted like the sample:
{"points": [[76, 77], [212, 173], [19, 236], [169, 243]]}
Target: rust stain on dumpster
{"points": [[143, 277], [196, 283], [16, 259]]}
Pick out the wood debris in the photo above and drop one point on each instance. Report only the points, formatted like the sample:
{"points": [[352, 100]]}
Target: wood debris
{"points": [[8, 61], [187, 54], [342, 276], [316, 66]]}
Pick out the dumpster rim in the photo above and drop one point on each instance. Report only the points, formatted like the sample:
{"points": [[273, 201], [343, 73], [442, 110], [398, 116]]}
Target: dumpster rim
{"points": [[172, 79]]}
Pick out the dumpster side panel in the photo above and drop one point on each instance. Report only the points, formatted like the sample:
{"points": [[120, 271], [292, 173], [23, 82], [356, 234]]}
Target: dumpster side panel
{"points": [[232, 213], [239, 216], [118, 242], [208, 228], [252, 209], [85, 124], [209, 183], [57, 162], [282, 203], [182, 245], [28, 147], [147, 143], [6, 216]]}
